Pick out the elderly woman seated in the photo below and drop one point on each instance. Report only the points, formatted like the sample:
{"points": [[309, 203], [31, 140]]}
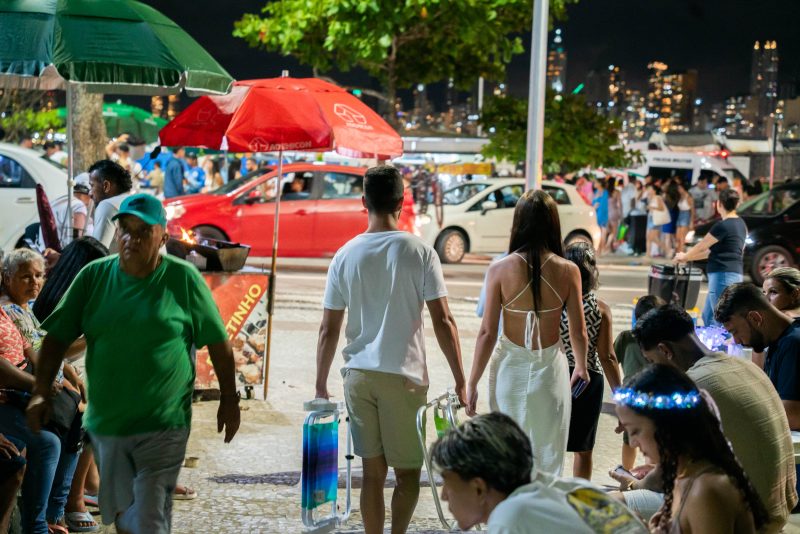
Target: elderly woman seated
{"points": [[51, 454], [489, 477]]}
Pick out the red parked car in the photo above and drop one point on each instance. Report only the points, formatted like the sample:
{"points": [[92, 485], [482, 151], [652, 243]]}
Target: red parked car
{"points": [[320, 210]]}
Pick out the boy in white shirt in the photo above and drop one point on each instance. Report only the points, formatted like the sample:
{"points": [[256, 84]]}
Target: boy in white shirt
{"points": [[489, 477]]}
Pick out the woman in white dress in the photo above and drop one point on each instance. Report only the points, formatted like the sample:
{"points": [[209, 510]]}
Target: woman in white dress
{"points": [[529, 378]]}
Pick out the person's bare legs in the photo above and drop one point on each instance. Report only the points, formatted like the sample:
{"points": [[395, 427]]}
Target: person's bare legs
{"points": [[404, 498], [76, 491], [373, 508], [582, 465], [628, 456], [92, 481], [8, 496]]}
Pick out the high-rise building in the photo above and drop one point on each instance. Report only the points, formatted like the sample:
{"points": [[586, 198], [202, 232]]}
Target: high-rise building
{"points": [[655, 94], [741, 115], [764, 82], [633, 115], [557, 63], [679, 92]]}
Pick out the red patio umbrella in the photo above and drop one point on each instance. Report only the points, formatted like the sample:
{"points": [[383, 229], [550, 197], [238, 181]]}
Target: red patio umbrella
{"points": [[277, 114]]}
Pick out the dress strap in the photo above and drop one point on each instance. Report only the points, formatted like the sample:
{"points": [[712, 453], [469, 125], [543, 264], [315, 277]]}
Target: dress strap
{"points": [[685, 493]]}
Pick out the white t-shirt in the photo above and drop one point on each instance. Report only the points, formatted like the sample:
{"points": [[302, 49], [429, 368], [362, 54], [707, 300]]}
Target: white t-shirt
{"points": [[384, 279], [104, 229], [59, 208], [561, 505]]}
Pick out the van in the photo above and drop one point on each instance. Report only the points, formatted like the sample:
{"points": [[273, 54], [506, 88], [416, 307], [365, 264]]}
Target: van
{"points": [[688, 165]]}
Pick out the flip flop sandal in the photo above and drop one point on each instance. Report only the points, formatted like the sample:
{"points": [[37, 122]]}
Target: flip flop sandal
{"points": [[90, 500], [53, 528], [187, 495], [81, 522]]}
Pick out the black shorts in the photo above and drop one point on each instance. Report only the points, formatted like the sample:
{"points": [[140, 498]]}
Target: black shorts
{"points": [[585, 415]]}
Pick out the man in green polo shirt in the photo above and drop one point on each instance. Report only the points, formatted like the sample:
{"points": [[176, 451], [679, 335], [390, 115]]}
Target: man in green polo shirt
{"points": [[141, 313]]}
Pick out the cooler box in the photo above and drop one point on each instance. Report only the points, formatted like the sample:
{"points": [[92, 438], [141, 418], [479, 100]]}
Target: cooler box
{"points": [[670, 282]]}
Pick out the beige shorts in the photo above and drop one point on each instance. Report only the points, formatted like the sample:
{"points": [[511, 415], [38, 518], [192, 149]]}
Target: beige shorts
{"points": [[383, 416]]}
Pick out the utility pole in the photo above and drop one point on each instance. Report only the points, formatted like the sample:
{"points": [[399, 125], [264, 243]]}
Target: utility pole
{"points": [[536, 91]]}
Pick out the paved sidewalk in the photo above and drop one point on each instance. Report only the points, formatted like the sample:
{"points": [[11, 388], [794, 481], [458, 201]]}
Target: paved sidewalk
{"points": [[252, 485]]}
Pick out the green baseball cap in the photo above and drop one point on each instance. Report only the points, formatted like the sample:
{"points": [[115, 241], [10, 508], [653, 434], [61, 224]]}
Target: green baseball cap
{"points": [[147, 207]]}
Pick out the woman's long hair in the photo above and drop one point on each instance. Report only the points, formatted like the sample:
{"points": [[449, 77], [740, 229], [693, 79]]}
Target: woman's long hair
{"points": [[672, 195], [74, 257], [695, 433], [536, 229]]}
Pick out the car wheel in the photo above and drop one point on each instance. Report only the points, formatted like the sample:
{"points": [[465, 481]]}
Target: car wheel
{"points": [[767, 259], [451, 246], [210, 232], [578, 237]]}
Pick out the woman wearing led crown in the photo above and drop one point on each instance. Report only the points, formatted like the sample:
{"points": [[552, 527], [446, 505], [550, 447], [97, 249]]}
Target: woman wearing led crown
{"points": [[676, 427]]}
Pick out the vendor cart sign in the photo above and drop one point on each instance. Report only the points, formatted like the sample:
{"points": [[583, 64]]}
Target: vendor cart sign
{"points": [[242, 302]]}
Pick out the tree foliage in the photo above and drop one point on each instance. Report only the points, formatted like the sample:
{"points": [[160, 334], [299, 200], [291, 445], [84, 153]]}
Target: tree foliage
{"points": [[23, 114], [575, 135], [401, 43]]}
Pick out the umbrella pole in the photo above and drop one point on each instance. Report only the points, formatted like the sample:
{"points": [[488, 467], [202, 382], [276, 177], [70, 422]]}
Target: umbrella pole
{"points": [[70, 154], [273, 266]]}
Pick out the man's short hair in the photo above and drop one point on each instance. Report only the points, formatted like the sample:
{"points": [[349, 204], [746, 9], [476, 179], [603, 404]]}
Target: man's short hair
{"points": [[667, 323], [48, 145], [490, 446], [114, 173], [383, 189], [729, 198], [647, 303], [702, 178], [739, 299], [722, 179]]}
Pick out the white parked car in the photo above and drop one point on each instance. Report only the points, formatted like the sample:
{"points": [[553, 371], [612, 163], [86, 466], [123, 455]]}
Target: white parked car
{"points": [[20, 170], [478, 216]]}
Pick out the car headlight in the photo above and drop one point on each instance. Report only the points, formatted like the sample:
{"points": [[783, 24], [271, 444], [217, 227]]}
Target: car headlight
{"points": [[422, 220], [174, 211]]}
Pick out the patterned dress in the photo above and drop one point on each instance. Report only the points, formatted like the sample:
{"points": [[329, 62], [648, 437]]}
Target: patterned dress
{"points": [[586, 407], [591, 313]]}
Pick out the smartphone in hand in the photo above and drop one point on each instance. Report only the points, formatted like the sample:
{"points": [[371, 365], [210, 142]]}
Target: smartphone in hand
{"points": [[579, 388]]}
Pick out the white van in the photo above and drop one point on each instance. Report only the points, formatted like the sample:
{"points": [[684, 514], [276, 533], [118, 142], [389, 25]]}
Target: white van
{"points": [[688, 165]]}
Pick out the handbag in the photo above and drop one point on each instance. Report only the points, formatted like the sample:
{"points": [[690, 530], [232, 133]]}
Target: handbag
{"points": [[65, 419], [660, 217]]}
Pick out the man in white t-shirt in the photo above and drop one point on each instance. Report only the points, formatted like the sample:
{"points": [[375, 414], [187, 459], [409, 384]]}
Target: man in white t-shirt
{"points": [[489, 478], [111, 184], [81, 222], [383, 278]]}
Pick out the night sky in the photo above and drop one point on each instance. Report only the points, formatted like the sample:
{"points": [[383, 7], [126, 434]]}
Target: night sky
{"points": [[713, 36]]}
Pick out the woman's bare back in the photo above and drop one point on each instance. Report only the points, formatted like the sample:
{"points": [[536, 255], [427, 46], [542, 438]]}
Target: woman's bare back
{"points": [[517, 298]]}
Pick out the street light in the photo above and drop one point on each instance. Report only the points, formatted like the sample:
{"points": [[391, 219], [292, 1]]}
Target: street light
{"points": [[536, 90]]}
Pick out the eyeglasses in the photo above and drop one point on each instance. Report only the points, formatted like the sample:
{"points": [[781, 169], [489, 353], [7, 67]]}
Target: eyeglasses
{"points": [[142, 233]]}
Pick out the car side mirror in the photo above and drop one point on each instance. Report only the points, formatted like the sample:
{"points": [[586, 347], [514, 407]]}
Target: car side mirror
{"points": [[487, 205], [253, 197]]}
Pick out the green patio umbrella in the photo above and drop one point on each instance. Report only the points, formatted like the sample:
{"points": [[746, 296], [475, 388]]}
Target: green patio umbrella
{"points": [[119, 46], [122, 118], [122, 46]]}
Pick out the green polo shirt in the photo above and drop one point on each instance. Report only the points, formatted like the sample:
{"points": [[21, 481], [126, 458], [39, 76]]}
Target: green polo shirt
{"points": [[139, 334]]}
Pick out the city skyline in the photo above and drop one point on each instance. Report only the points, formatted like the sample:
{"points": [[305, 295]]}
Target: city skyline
{"points": [[705, 35]]}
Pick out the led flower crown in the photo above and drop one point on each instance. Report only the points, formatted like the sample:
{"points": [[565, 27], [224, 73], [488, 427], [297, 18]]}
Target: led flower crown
{"points": [[639, 399]]}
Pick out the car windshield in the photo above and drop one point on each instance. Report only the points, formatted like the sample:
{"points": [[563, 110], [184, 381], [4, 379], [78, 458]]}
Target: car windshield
{"points": [[771, 202], [233, 185], [462, 193]]}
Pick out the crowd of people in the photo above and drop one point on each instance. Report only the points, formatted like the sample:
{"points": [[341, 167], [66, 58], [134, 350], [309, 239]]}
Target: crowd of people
{"points": [[714, 430], [72, 321], [102, 315]]}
